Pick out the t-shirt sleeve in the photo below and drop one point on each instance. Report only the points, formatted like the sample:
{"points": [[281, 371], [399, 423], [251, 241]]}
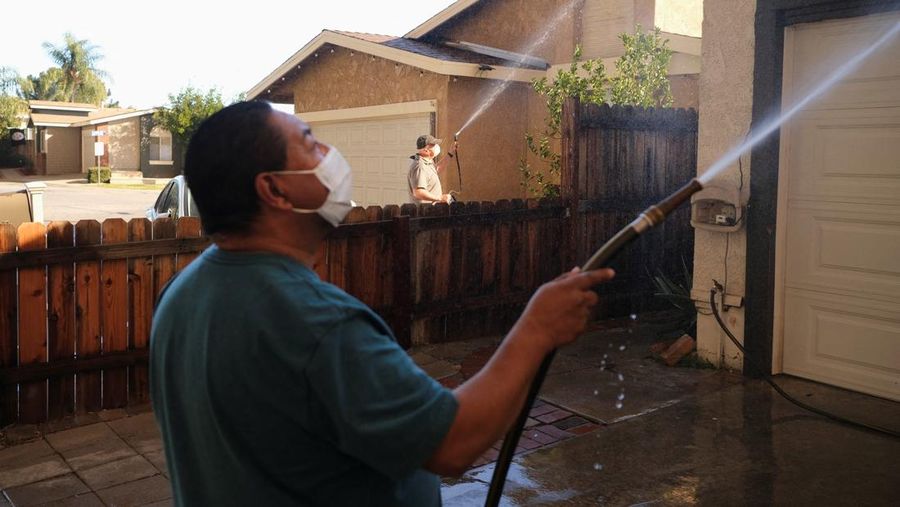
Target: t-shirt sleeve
{"points": [[385, 411]]}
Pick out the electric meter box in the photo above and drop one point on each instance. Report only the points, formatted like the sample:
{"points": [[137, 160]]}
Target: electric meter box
{"points": [[717, 209]]}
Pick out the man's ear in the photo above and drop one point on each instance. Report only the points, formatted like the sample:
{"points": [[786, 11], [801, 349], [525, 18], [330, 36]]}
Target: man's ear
{"points": [[268, 192]]}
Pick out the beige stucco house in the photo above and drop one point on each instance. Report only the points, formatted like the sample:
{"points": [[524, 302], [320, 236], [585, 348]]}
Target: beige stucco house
{"points": [[373, 95], [813, 275], [63, 139]]}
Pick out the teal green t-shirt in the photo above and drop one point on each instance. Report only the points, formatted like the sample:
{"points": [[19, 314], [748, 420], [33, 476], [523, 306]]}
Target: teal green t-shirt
{"points": [[272, 387]]}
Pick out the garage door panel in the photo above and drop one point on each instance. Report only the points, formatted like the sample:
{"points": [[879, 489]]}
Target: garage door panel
{"points": [[869, 84], [839, 210], [839, 156], [391, 135], [378, 150], [828, 251], [839, 341]]}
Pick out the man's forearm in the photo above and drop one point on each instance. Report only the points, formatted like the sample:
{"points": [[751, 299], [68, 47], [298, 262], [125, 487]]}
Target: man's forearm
{"points": [[424, 195]]}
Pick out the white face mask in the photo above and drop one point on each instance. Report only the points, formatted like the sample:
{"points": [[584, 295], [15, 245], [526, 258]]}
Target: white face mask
{"points": [[436, 150], [335, 174]]}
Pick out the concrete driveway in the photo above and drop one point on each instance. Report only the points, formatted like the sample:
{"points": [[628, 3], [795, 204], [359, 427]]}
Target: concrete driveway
{"points": [[70, 198]]}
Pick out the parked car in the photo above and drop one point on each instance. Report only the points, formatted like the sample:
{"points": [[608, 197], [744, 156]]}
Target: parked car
{"points": [[174, 201], [15, 207]]}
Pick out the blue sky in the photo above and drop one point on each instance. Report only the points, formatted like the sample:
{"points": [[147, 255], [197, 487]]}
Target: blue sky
{"points": [[152, 49]]}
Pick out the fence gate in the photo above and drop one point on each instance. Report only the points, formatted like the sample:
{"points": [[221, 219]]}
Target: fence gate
{"points": [[616, 162]]}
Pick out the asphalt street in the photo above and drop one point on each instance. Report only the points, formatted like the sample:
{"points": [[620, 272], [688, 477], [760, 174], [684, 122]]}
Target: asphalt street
{"points": [[72, 199]]}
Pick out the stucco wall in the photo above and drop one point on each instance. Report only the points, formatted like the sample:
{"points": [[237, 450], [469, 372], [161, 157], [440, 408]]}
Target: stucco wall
{"points": [[63, 150], [680, 16], [726, 93], [346, 79], [515, 25], [124, 145], [492, 144], [603, 21], [685, 90]]}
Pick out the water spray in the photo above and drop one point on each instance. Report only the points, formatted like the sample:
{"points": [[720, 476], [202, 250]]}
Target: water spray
{"points": [[651, 217]]}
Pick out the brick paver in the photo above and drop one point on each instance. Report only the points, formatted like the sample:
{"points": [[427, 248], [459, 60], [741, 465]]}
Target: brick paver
{"points": [[48, 490]]}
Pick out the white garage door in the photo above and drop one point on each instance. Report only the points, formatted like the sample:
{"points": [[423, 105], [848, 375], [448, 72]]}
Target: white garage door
{"points": [[839, 210], [378, 150]]}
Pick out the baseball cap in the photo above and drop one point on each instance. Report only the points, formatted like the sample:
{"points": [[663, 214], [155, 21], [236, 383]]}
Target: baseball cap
{"points": [[425, 140]]}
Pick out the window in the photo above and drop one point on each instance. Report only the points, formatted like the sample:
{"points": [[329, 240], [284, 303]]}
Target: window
{"points": [[167, 204], [160, 146]]}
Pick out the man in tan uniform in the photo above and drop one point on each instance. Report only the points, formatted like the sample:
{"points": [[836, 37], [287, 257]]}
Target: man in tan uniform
{"points": [[424, 173]]}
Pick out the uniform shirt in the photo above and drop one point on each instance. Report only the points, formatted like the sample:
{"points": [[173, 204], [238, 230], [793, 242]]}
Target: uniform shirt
{"points": [[423, 174], [272, 388]]}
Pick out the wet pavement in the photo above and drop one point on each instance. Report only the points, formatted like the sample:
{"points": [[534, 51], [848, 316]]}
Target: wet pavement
{"points": [[686, 436], [613, 426]]}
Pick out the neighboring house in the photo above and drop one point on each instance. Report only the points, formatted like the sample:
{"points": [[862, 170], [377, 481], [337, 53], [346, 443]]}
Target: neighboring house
{"points": [[62, 137], [814, 278], [373, 95]]}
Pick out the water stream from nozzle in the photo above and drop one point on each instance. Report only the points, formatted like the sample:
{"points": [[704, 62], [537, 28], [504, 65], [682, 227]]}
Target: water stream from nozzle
{"points": [[624, 236], [499, 88], [767, 127]]}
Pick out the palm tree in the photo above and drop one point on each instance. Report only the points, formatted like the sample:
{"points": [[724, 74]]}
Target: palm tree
{"points": [[77, 59]]}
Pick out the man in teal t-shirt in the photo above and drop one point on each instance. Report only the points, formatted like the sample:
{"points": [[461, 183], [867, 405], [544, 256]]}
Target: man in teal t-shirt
{"points": [[272, 387]]}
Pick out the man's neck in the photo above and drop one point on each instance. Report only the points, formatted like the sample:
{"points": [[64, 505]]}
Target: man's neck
{"points": [[304, 248]]}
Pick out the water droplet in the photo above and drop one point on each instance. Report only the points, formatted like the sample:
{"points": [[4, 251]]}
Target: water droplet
{"points": [[633, 316], [596, 392], [621, 347], [605, 356], [621, 396], [603, 368], [609, 345], [619, 405], [621, 377], [598, 466]]}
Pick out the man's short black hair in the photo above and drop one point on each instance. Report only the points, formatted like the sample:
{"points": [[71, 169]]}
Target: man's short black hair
{"points": [[223, 158]]}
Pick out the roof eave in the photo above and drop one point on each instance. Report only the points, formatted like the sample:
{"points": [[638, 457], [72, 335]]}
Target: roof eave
{"points": [[50, 124], [398, 55], [117, 117]]}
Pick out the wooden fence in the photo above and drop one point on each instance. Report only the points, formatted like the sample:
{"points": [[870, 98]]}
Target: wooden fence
{"points": [[617, 161], [76, 300]]}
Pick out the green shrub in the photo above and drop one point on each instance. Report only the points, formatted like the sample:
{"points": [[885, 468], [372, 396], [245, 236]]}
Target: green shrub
{"points": [[105, 174]]}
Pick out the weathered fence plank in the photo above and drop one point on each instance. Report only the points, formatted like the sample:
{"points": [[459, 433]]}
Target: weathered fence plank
{"points": [[114, 287], [32, 324], [163, 265], [61, 321], [9, 318], [186, 227], [141, 292], [87, 318]]}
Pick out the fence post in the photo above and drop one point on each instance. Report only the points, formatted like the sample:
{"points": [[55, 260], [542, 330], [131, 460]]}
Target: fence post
{"points": [[403, 295], [570, 176]]}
